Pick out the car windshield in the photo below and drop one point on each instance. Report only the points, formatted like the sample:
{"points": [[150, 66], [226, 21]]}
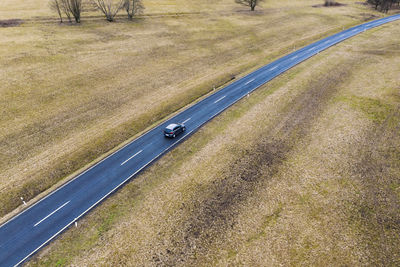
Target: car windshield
{"points": [[171, 127]]}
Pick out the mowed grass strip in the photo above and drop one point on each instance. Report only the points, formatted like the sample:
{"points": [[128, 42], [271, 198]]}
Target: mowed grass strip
{"points": [[303, 172], [69, 94]]}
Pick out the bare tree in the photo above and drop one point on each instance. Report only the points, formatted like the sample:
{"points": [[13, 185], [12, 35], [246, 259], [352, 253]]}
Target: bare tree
{"points": [[251, 3], [109, 8], [55, 6], [376, 3], [75, 8], [70, 8], [330, 3], [65, 9], [384, 5], [133, 7]]}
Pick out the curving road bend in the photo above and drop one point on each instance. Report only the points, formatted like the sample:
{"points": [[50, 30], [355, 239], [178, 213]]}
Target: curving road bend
{"points": [[35, 227]]}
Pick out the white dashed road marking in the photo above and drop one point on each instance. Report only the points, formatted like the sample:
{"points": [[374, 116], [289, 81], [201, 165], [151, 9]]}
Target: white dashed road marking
{"points": [[220, 99], [249, 81], [36, 224], [131, 157]]}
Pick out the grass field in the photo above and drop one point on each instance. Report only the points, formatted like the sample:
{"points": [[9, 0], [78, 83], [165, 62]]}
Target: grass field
{"points": [[70, 94], [315, 182]]}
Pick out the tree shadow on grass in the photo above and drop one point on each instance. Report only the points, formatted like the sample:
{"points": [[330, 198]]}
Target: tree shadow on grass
{"points": [[10, 23]]}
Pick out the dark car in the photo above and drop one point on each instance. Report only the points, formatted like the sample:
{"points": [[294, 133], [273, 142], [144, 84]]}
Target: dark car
{"points": [[174, 129]]}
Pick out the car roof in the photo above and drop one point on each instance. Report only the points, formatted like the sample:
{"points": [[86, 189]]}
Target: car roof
{"points": [[172, 126]]}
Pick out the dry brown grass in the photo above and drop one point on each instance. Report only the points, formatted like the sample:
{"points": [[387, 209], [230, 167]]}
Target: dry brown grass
{"points": [[315, 182], [69, 94]]}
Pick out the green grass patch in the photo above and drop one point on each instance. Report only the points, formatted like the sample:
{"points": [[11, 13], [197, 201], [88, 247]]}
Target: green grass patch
{"points": [[375, 109]]}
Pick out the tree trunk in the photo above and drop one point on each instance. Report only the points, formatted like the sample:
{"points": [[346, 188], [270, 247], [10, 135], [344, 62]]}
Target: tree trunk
{"points": [[59, 11]]}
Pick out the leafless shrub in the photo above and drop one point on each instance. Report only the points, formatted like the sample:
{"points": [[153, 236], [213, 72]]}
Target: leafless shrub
{"points": [[55, 5], [65, 10], [133, 7], [109, 8], [75, 7], [251, 3], [70, 8], [330, 3], [384, 5]]}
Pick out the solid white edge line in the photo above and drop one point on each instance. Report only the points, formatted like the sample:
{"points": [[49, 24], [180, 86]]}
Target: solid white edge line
{"points": [[126, 179], [219, 99], [186, 120], [131, 157], [252, 80], [39, 222]]}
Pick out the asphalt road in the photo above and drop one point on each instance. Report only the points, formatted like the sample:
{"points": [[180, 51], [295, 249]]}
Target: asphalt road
{"points": [[35, 227]]}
